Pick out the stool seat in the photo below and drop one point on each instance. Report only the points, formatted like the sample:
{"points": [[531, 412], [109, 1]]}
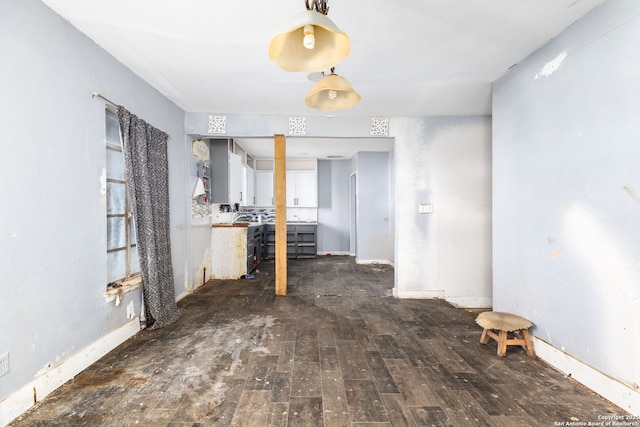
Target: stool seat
{"points": [[507, 329]]}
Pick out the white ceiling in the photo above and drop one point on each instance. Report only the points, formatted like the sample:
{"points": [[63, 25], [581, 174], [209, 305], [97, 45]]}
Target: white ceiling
{"points": [[408, 58]]}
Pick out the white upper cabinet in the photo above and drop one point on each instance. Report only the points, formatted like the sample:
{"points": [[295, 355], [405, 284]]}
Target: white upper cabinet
{"points": [[251, 186], [302, 189], [302, 184], [264, 188], [237, 180]]}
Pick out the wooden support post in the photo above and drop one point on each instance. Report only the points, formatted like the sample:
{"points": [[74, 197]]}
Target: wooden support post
{"points": [[280, 194]]}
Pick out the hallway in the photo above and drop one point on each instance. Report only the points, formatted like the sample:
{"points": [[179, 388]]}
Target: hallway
{"points": [[339, 350]]}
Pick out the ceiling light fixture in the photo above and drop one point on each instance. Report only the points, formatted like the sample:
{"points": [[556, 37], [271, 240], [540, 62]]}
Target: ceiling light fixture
{"points": [[333, 92], [309, 41]]}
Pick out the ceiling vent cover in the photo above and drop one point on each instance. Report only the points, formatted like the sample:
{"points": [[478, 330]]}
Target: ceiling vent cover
{"points": [[379, 126], [217, 124], [297, 125]]}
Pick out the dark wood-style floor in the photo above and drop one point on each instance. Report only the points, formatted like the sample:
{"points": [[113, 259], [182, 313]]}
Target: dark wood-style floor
{"points": [[339, 350]]}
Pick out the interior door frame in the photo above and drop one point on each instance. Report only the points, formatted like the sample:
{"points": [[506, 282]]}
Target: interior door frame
{"points": [[353, 214]]}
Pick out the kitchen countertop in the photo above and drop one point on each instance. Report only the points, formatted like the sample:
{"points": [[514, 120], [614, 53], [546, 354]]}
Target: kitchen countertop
{"points": [[256, 224], [235, 224], [296, 223], [300, 222]]}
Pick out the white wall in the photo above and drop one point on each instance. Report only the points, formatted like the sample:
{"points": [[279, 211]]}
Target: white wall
{"points": [[52, 221], [567, 194], [444, 162]]}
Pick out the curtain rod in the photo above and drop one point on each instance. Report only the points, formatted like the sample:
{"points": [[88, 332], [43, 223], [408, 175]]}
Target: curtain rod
{"points": [[108, 101]]}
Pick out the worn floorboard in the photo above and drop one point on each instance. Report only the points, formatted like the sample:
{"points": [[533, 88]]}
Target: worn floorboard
{"points": [[337, 351]]}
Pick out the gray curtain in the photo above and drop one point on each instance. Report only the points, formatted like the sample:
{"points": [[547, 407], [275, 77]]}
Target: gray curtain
{"points": [[147, 175]]}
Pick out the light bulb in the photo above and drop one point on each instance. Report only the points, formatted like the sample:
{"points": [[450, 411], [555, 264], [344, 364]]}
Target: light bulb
{"points": [[309, 40], [333, 94]]}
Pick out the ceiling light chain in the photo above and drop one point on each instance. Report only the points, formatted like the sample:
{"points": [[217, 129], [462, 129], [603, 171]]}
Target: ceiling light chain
{"points": [[318, 6]]}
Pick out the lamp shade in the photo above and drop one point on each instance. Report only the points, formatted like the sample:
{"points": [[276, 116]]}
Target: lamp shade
{"points": [[199, 190], [287, 48], [332, 92]]}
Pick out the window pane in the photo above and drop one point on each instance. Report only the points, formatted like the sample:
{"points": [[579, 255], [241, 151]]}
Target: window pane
{"points": [[134, 262], [115, 165], [132, 232], [113, 129], [115, 198], [115, 266], [116, 237]]}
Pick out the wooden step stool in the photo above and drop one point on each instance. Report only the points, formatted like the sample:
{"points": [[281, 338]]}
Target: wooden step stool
{"points": [[504, 328]]}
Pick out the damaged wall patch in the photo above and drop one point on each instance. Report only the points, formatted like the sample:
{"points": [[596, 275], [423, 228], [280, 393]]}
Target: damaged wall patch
{"points": [[551, 66]]}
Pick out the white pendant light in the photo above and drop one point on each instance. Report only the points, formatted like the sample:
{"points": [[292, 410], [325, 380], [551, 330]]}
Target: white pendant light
{"points": [[332, 92], [309, 41]]}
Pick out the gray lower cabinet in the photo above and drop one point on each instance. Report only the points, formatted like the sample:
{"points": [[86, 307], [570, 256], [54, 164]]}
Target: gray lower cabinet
{"points": [[254, 247], [301, 240]]}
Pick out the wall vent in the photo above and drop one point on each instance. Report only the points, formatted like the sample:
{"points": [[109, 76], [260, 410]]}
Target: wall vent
{"points": [[217, 125], [379, 126], [297, 125]]}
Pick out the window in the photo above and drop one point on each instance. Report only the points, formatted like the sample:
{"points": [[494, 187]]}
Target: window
{"points": [[123, 266]]}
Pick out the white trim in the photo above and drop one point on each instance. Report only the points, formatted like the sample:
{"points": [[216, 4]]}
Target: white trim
{"points": [[336, 253], [429, 294], [479, 302], [607, 387], [116, 294], [50, 379], [373, 261], [184, 294]]}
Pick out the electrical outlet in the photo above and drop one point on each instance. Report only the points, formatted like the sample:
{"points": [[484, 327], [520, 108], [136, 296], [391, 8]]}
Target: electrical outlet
{"points": [[4, 364]]}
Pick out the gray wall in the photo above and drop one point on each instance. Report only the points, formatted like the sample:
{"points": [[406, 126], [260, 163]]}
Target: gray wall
{"points": [[333, 206], [198, 268], [52, 221], [392, 204], [374, 240], [566, 191]]}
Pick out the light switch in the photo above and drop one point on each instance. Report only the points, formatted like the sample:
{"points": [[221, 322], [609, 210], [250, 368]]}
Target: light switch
{"points": [[425, 208]]}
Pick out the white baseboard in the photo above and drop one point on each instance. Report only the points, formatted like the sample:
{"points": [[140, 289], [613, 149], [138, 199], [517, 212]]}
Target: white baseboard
{"points": [[470, 302], [47, 381], [607, 387], [337, 253], [427, 294], [182, 295], [373, 261]]}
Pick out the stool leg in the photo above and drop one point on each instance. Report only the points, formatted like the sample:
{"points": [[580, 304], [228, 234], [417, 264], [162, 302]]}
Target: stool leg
{"points": [[502, 343], [484, 338], [528, 345]]}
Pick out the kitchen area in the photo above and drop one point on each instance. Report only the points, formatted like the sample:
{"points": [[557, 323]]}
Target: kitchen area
{"points": [[236, 191], [335, 205]]}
